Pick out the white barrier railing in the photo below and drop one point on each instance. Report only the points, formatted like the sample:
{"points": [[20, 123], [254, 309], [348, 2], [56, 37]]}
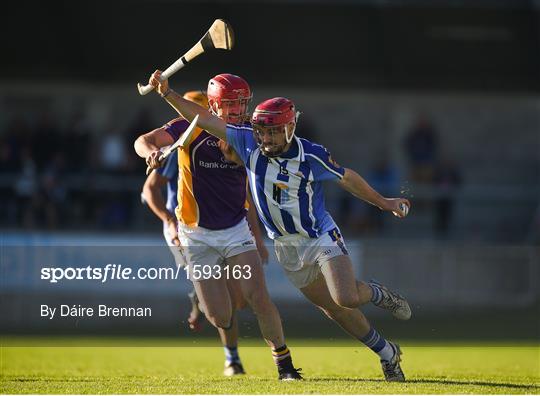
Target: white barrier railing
{"points": [[430, 274]]}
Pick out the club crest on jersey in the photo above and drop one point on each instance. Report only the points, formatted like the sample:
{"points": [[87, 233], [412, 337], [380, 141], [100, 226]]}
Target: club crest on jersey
{"points": [[279, 193]]}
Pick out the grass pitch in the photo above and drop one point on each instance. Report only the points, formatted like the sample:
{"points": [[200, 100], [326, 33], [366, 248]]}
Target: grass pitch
{"points": [[181, 367]]}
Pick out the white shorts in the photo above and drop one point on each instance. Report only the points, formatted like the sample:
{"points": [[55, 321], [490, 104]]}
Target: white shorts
{"points": [[212, 247], [302, 257], [175, 250]]}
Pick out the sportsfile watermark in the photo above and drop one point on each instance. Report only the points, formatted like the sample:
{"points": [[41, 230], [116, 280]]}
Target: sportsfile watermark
{"points": [[121, 272], [108, 272]]}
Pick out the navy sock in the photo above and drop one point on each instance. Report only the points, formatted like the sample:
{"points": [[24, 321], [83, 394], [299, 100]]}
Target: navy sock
{"points": [[377, 295], [231, 354]]}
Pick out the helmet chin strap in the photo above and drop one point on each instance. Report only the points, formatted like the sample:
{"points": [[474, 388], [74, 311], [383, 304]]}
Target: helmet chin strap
{"points": [[288, 137], [213, 109], [289, 133]]}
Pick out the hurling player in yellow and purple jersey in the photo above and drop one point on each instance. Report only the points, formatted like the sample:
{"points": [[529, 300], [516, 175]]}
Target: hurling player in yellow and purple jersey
{"points": [[214, 234], [285, 176]]}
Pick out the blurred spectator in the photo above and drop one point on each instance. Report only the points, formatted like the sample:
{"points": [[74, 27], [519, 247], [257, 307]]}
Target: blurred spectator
{"points": [[9, 163], [113, 152], [447, 179], [77, 141], [360, 217], [8, 158], [142, 122], [18, 135], [115, 144], [421, 148], [108, 146], [27, 189], [46, 139], [534, 229], [54, 190], [384, 175]]}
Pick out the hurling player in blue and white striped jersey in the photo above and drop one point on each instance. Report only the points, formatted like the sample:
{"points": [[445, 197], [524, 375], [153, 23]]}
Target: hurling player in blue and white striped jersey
{"points": [[285, 176]]}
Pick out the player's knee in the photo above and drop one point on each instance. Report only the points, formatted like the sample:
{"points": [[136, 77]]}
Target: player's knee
{"points": [[348, 300]]}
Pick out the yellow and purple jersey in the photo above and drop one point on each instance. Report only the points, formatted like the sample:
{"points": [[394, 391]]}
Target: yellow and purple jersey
{"points": [[211, 190]]}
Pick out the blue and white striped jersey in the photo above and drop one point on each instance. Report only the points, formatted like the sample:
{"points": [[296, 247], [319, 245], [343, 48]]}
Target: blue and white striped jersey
{"points": [[287, 190], [169, 170]]}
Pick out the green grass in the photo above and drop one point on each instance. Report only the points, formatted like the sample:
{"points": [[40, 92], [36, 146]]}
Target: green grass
{"points": [[180, 367]]}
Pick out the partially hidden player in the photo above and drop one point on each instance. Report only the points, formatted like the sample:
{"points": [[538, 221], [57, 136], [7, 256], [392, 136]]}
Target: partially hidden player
{"points": [[167, 177]]}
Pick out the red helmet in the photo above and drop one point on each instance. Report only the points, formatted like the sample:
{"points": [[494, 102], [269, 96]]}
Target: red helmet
{"points": [[274, 116], [230, 94]]}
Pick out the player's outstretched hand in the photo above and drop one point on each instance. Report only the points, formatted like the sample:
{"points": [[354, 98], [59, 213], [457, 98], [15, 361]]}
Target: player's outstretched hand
{"points": [[398, 206], [152, 161], [155, 80]]}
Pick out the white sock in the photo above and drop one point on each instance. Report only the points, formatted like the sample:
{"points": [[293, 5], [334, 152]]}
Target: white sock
{"points": [[387, 353]]}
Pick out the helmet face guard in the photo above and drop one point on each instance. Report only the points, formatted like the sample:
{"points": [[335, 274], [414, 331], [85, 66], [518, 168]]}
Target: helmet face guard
{"points": [[273, 139], [229, 96], [234, 111]]}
